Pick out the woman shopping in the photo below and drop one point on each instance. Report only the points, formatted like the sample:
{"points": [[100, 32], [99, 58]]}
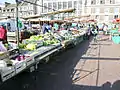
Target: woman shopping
{"points": [[3, 38]]}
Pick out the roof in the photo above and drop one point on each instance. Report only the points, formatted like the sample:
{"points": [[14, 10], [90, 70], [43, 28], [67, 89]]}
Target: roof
{"points": [[10, 6], [32, 17], [25, 3], [70, 18], [50, 13], [60, 11]]}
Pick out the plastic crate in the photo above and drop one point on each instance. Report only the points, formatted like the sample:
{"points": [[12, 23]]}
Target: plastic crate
{"points": [[19, 66], [116, 39]]}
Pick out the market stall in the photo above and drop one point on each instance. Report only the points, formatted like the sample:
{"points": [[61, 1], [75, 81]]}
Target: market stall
{"points": [[12, 62], [37, 48], [34, 50]]}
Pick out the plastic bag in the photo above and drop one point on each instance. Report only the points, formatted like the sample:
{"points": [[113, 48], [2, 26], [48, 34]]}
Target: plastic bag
{"points": [[2, 47]]}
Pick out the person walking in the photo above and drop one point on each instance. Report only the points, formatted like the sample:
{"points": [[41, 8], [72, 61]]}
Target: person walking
{"points": [[88, 32], [105, 29], [95, 33]]}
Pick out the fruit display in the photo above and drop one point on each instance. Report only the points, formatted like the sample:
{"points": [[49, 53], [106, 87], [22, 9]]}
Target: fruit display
{"points": [[31, 46], [66, 34], [22, 45], [39, 37], [49, 42], [37, 41]]}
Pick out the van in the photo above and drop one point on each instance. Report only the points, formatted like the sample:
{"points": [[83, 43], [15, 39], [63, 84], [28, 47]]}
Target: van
{"points": [[11, 27]]}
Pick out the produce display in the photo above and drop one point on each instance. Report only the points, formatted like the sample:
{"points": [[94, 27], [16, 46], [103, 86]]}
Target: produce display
{"points": [[34, 49], [49, 42], [35, 42], [67, 35]]}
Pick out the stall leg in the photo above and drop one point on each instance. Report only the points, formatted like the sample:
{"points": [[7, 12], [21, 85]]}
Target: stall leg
{"points": [[47, 59], [33, 68]]}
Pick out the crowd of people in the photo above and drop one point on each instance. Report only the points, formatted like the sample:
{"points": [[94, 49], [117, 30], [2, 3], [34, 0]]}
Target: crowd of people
{"points": [[92, 29]]}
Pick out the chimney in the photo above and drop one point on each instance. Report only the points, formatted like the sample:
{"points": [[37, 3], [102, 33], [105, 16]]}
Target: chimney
{"points": [[6, 4]]}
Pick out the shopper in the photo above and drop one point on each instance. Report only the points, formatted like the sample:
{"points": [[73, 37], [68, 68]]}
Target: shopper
{"points": [[92, 29], [105, 29], [88, 32], [95, 33], [44, 28], [3, 34]]}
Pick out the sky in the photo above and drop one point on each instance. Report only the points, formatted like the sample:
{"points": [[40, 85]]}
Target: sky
{"points": [[10, 1]]}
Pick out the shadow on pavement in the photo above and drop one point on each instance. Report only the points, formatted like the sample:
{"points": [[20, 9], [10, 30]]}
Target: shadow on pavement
{"points": [[100, 58], [103, 44], [105, 86]]}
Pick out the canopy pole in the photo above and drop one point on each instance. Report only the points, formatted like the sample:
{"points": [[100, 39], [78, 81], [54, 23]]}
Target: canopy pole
{"points": [[17, 23], [39, 26]]}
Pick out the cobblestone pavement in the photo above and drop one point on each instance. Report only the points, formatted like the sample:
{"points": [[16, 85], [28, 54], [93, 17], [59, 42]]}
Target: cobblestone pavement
{"points": [[88, 66]]}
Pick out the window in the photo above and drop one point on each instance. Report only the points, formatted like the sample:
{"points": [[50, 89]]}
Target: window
{"points": [[85, 2], [54, 5], [115, 16], [80, 2], [3, 10], [69, 4], [64, 5], [112, 1], [106, 10], [12, 10], [59, 5], [97, 16], [93, 2], [116, 11], [20, 8], [92, 10], [45, 7], [106, 18], [50, 6], [7, 10], [75, 4], [97, 10], [102, 1], [25, 8]]}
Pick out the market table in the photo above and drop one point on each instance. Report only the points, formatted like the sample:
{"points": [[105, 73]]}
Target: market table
{"points": [[33, 58]]}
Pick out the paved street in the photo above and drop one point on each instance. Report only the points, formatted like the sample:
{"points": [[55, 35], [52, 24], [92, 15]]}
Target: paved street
{"points": [[88, 66]]}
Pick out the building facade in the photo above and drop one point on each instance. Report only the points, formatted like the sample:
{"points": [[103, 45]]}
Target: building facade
{"points": [[24, 9], [55, 5], [27, 9], [102, 10], [8, 10], [39, 7]]}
